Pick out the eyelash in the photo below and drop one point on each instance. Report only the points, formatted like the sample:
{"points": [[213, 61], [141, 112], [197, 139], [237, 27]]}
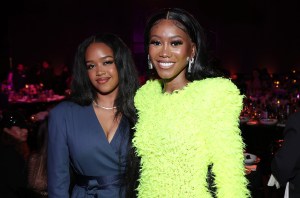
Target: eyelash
{"points": [[91, 66], [173, 43], [154, 43], [176, 43], [108, 62]]}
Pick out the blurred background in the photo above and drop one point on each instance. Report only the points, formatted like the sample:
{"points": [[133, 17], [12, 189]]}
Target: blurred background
{"points": [[242, 35], [255, 42]]}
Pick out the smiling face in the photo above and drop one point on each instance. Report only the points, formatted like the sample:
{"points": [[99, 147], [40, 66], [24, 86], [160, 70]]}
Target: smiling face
{"points": [[101, 67], [169, 50]]}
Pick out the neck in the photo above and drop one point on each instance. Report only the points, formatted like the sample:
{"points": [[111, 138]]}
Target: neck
{"points": [[170, 87]]}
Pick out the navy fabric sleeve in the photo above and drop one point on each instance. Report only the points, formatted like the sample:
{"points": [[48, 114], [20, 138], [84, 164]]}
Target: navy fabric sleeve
{"points": [[58, 154]]}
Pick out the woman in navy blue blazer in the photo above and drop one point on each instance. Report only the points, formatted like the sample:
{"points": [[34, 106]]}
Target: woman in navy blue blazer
{"points": [[92, 132]]}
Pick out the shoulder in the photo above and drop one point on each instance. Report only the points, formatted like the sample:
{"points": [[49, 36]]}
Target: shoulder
{"points": [[218, 83], [216, 86], [62, 107], [221, 93], [293, 121], [295, 117], [65, 104], [149, 90], [150, 85]]}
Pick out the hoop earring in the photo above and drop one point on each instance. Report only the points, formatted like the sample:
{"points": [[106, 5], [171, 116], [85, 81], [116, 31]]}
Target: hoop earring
{"points": [[191, 61], [150, 66]]}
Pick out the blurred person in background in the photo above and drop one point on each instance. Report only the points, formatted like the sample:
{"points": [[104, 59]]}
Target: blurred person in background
{"points": [[18, 77], [4, 102], [255, 83], [286, 162], [60, 79], [14, 153], [45, 75], [37, 163]]}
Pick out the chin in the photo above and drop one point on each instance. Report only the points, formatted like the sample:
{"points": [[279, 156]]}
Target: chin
{"points": [[165, 75]]}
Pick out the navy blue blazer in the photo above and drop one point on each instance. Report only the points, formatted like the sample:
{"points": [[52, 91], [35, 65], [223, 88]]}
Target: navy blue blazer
{"points": [[77, 139]]}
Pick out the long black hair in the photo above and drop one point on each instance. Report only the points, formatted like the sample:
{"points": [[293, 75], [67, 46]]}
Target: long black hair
{"points": [[191, 26]]}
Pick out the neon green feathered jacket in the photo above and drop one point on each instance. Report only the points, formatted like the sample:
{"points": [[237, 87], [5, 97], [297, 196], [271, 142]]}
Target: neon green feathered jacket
{"points": [[178, 135]]}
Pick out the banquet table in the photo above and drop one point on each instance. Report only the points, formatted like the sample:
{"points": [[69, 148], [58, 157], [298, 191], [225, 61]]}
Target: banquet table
{"points": [[260, 138], [29, 106], [263, 141]]}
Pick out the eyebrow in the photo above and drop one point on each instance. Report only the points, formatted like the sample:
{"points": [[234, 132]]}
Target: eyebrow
{"points": [[172, 37], [104, 57], [109, 56]]}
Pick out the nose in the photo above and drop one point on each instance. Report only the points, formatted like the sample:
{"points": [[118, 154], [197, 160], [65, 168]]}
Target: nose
{"points": [[165, 51], [100, 73]]}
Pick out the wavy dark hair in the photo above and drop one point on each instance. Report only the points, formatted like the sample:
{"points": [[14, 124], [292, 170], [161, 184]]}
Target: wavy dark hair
{"points": [[83, 92], [191, 26]]}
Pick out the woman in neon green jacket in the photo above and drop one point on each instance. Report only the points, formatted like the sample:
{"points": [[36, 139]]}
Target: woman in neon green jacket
{"points": [[188, 119]]}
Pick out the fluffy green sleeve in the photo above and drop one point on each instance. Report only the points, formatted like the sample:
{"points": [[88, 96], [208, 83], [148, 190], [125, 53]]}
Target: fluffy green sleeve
{"points": [[226, 140]]}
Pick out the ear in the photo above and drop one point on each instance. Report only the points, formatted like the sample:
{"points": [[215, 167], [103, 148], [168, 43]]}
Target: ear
{"points": [[194, 50]]}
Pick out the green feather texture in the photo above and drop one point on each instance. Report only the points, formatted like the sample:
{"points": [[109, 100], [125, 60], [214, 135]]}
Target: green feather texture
{"points": [[179, 135]]}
